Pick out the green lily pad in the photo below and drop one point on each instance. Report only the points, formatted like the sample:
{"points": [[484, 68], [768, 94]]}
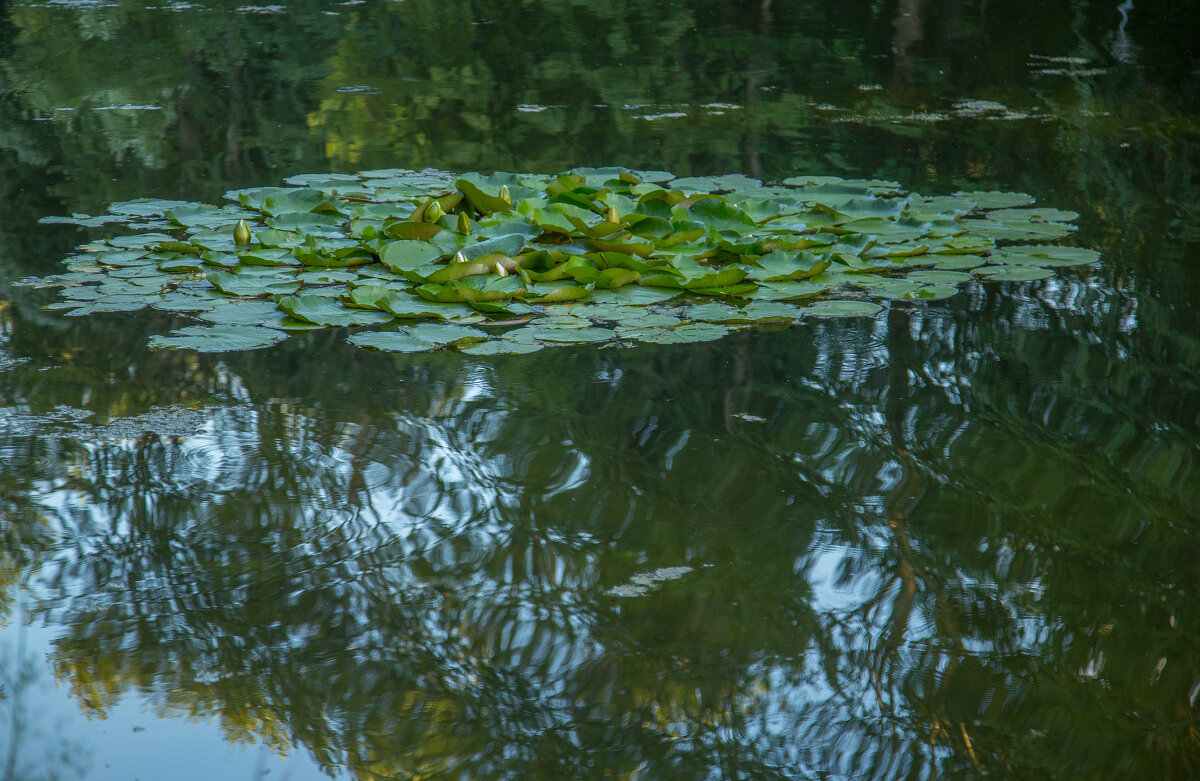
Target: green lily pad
{"points": [[1014, 273], [713, 313], [114, 303], [939, 277], [953, 262], [440, 334], [1047, 256], [841, 308], [501, 347], [931, 293], [235, 312], [219, 338], [250, 285], [320, 310], [684, 334], [572, 335], [408, 255], [996, 200], [392, 342]]}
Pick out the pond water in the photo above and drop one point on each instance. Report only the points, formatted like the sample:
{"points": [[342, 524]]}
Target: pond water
{"points": [[956, 539]]}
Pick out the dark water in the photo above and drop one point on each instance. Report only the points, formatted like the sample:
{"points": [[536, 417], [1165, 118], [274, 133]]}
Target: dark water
{"points": [[963, 539]]}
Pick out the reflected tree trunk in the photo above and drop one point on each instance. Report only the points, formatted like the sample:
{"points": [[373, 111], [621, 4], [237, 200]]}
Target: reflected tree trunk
{"points": [[903, 496], [904, 364], [909, 24], [758, 67]]}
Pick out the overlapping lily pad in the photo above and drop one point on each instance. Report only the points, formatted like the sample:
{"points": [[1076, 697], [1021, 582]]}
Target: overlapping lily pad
{"points": [[513, 263]]}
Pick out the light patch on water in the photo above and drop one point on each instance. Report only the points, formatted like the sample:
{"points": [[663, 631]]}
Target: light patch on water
{"points": [[1071, 72], [127, 107], [655, 117], [965, 108], [644, 582], [174, 422], [1037, 59], [82, 4]]}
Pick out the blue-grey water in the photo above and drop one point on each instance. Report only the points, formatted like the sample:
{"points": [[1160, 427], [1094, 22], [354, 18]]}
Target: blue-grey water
{"points": [[956, 540]]}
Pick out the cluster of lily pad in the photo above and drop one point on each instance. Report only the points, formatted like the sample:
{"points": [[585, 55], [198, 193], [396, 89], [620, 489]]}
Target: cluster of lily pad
{"points": [[510, 263]]}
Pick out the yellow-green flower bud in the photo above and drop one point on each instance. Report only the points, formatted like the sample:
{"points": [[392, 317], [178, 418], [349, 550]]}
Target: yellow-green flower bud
{"points": [[500, 269], [459, 257], [505, 195], [612, 214], [241, 233], [433, 212], [464, 223]]}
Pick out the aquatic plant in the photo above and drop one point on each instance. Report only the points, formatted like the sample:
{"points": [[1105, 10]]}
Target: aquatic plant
{"points": [[513, 263]]}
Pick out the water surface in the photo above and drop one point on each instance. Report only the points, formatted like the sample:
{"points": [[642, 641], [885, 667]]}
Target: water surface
{"points": [[958, 539]]}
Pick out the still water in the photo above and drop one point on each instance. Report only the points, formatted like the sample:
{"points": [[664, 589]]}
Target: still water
{"points": [[958, 540]]}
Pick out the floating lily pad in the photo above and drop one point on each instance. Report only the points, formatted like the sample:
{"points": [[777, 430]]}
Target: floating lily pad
{"points": [[320, 310], [249, 284], [572, 335], [501, 347], [1015, 273], [931, 293], [238, 312], [1042, 255], [590, 255], [392, 342], [839, 308], [996, 200], [219, 338], [939, 277], [446, 334], [684, 334]]}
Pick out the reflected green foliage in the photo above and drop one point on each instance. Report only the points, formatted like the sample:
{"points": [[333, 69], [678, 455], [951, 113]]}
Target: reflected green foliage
{"points": [[943, 541], [459, 575], [551, 260]]}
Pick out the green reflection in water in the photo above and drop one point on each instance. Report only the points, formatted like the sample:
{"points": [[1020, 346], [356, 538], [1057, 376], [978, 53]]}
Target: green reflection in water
{"points": [[959, 541]]}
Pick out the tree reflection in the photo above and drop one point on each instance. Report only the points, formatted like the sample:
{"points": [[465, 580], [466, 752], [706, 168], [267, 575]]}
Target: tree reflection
{"points": [[415, 584], [30, 749], [958, 544]]}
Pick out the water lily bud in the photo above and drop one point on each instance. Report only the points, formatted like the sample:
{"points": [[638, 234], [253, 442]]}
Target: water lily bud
{"points": [[464, 223], [612, 214], [241, 233], [459, 257], [434, 212], [505, 195], [500, 269]]}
